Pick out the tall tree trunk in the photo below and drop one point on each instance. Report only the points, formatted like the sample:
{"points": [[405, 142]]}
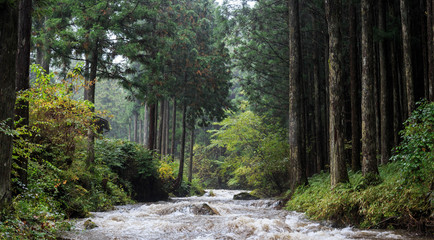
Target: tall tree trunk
{"points": [[166, 128], [90, 96], [8, 50], [338, 169], [296, 172], [160, 128], [136, 126], [22, 73], [318, 129], [369, 164], [406, 47], [182, 153], [151, 128], [190, 165], [385, 86], [430, 44], [172, 148], [355, 91], [145, 126]]}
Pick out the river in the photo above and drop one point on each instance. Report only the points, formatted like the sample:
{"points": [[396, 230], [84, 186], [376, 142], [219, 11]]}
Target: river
{"points": [[184, 218]]}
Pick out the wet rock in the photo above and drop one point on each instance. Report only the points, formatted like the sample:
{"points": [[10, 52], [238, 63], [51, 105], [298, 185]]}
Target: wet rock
{"points": [[89, 224], [204, 209], [245, 196]]}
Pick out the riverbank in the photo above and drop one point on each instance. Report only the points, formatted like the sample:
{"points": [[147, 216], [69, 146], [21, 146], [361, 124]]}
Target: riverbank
{"points": [[391, 204]]}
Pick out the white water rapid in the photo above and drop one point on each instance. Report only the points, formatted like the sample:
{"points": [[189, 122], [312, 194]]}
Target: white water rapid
{"points": [[181, 218]]}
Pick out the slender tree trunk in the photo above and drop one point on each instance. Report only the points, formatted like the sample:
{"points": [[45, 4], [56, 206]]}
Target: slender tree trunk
{"points": [[22, 73], [160, 128], [369, 164], [406, 45], [318, 129], [182, 153], [385, 86], [396, 100], [8, 51], [166, 128], [151, 128], [355, 91], [430, 48], [136, 126], [145, 126], [297, 173], [190, 165], [90, 96], [172, 148], [338, 169], [129, 129]]}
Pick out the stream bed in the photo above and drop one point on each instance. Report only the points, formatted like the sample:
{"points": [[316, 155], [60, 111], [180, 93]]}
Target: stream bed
{"points": [[215, 216]]}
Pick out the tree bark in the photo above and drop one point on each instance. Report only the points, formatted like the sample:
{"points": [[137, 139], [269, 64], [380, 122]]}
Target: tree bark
{"points": [[90, 96], [355, 92], [296, 172], [22, 74], [385, 100], [190, 165], [160, 128], [338, 169], [182, 153], [406, 47], [430, 48], [145, 126], [8, 50], [369, 163], [151, 128], [172, 148]]}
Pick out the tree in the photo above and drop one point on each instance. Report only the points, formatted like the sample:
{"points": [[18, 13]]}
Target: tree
{"points": [[22, 73], [338, 169], [369, 164], [385, 86], [8, 50], [355, 91], [406, 48], [296, 172]]}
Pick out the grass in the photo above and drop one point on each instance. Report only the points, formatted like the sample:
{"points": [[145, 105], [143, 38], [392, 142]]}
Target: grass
{"points": [[389, 204]]}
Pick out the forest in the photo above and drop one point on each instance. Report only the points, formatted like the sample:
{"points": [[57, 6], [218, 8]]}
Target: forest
{"points": [[326, 105]]}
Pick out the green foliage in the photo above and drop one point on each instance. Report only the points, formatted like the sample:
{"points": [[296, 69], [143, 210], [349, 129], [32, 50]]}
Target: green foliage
{"points": [[256, 154], [415, 154]]}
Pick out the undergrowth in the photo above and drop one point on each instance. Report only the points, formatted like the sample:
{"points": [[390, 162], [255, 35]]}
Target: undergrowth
{"points": [[403, 198]]}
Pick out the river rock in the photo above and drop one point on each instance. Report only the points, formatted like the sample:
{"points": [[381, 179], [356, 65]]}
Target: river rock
{"points": [[245, 196], [89, 224], [205, 209]]}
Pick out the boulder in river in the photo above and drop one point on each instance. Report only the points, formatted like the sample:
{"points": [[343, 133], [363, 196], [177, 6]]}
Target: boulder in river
{"points": [[245, 196], [205, 209], [89, 224]]}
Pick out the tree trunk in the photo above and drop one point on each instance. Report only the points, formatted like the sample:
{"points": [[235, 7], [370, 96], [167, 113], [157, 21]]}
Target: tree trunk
{"points": [[369, 163], [145, 126], [408, 68], [8, 50], [338, 169], [151, 128], [172, 148], [160, 128], [166, 128], [355, 91], [190, 165], [430, 44], [22, 74], [385, 86], [182, 153], [90, 96], [296, 172]]}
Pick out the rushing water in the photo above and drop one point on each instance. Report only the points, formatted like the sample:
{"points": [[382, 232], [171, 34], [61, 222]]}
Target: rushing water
{"points": [[235, 219]]}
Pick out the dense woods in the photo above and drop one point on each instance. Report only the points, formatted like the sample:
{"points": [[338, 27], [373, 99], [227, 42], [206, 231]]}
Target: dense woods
{"points": [[306, 100]]}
